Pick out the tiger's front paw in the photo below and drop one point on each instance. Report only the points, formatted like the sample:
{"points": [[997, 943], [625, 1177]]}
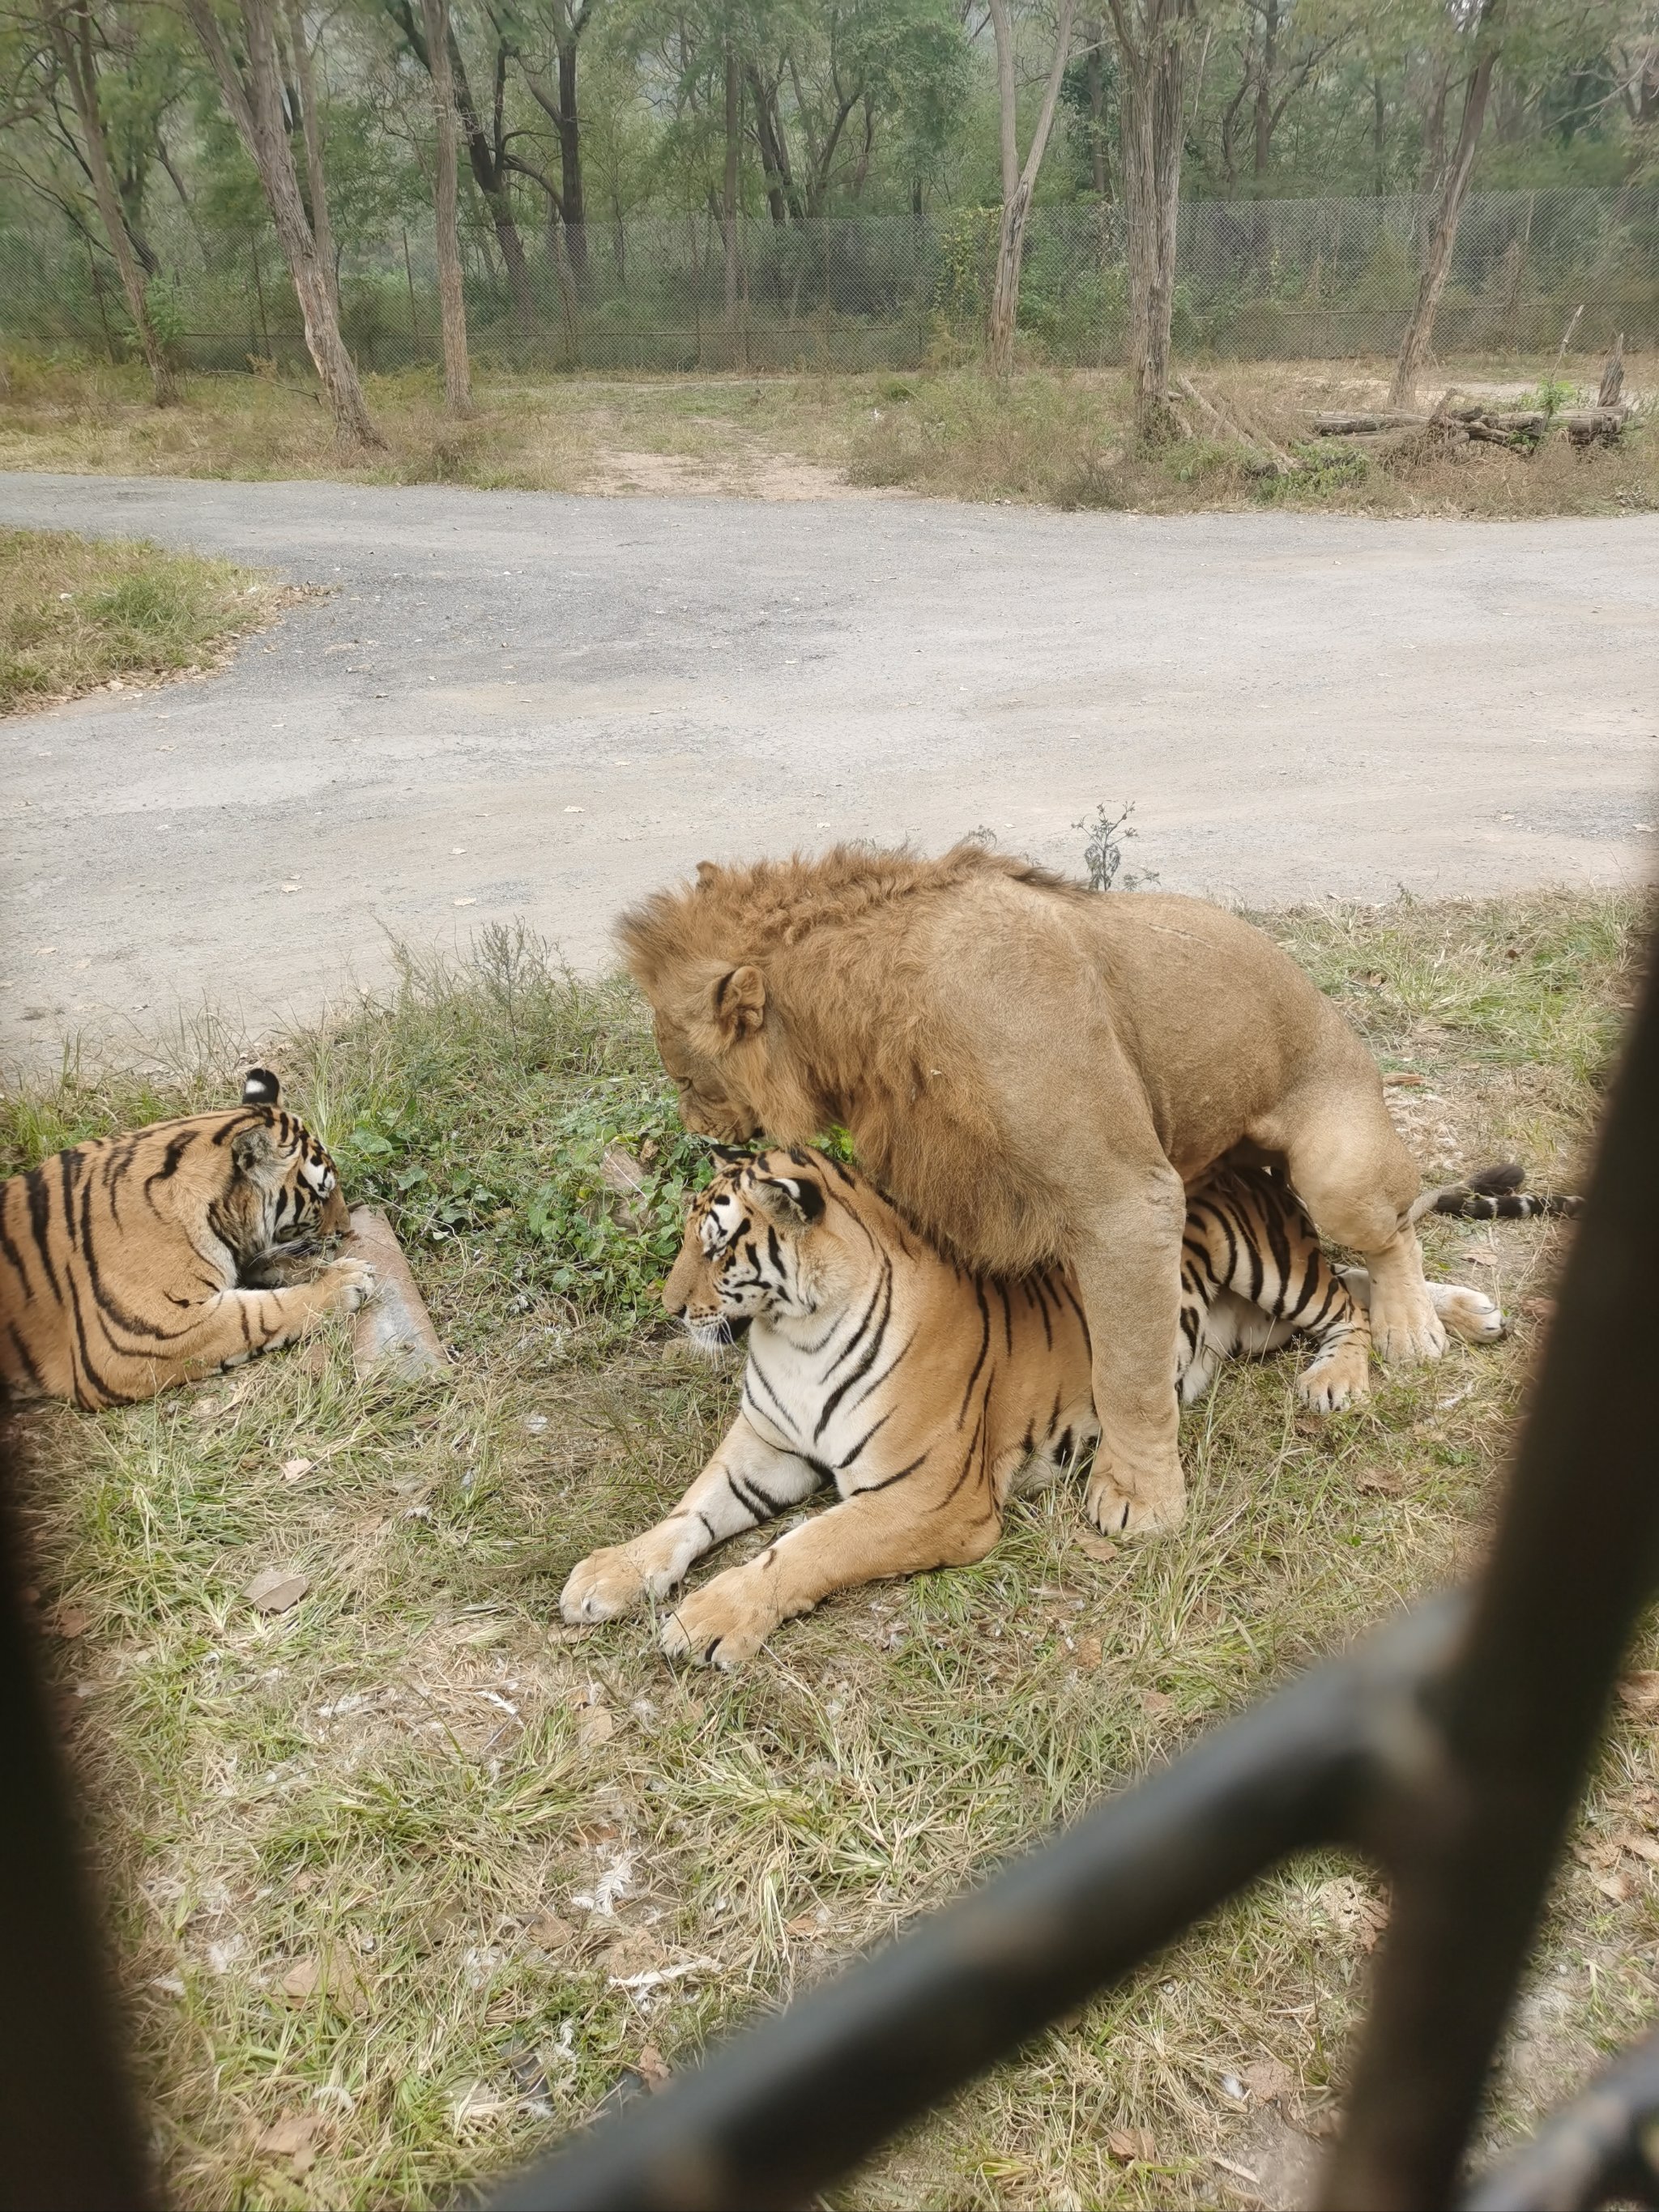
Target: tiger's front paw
{"points": [[351, 1283], [1340, 1378], [1469, 1314], [605, 1585], [721, 1625]]}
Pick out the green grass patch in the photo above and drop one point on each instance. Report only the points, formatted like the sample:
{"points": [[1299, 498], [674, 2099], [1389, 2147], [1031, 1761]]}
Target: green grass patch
{"points": [[361, 1854], [77, 612]]}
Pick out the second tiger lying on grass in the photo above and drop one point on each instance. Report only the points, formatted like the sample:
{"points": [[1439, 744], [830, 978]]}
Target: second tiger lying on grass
{"points": [[921, 1390]]}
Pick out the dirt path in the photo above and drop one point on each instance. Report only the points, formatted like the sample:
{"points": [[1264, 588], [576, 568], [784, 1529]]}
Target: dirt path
{"points": [[517, 704]]}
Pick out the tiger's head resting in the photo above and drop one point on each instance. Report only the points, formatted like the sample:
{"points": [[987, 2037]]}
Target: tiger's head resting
{"points": [[282, 1195], [778, 1236]]}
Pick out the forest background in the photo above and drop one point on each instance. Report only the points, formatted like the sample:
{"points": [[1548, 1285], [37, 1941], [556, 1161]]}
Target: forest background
{"points": [[835, 184]]}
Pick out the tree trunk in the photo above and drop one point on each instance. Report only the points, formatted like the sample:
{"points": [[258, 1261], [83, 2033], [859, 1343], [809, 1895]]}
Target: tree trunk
{"points": [[1437, 260], [452, 304], [774, 150], [1099, 167], [729, 186], [312, 124], [1018, 183], [570, 163], [72, 43], [255, 105], [1264, 90], [1379, 126], [1150, 103]]}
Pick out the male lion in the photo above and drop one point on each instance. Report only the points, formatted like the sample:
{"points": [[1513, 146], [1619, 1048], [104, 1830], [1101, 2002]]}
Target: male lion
{"points": [[1033, 1073]]}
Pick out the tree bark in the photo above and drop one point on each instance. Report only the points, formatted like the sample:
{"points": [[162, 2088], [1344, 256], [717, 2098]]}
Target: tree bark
{"points": [[1264, 90], [729, 186], [570, 157], [1100, 172], [452, 304], [71, 42], [254, 101], [311, 125], [1018, 182], [1150, 103], [1437, 260]]}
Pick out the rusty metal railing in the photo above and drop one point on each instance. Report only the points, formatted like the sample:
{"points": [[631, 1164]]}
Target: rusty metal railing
{"points": [[1451, 1747]]}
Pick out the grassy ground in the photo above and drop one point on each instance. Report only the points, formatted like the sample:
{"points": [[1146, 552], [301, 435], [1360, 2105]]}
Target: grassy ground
{"points": [[382, 1866], [76, 614], [1057, 438]]}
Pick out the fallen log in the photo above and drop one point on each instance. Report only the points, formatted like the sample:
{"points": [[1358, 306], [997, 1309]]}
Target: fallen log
{"points": [[394, 1330], [1362, 425]]}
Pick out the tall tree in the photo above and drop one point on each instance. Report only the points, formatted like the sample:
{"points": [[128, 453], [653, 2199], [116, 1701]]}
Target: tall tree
{"points": [[311, 127], [251, 84], [1483, 36], [452, 302], [1151, 48], [1018, 180], [488, 151], [567, 19], [69, 30]]}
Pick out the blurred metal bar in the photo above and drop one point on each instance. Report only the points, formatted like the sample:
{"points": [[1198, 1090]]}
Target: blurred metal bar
{"points": [[1603, 2147], [794, 2102], [69, 2139], [1471, 1839]]}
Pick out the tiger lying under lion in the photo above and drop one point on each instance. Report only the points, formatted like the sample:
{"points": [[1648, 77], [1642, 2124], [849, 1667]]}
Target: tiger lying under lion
{"points": [[920, 1389]]}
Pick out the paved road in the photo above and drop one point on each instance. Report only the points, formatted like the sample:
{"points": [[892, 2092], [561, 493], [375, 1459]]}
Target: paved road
{"points": [[520, 704]]}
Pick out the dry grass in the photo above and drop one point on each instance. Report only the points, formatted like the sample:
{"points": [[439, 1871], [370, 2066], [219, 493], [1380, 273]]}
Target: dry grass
{"points": [[380, 1864], [77, 613], [1056, 438]]}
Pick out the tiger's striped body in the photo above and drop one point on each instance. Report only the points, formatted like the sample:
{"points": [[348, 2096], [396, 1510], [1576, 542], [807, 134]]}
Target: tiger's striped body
{"points": [[920, 1389], [131, 1263]]}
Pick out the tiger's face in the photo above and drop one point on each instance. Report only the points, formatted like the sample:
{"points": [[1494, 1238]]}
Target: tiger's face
{"points": [[284, 1197], [766, 1241]]}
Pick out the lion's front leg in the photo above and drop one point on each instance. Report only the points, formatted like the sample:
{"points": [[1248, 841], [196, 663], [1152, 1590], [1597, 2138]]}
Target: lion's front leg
{"points": [[1128, 1264], [869, 1536], [747, 1481]]}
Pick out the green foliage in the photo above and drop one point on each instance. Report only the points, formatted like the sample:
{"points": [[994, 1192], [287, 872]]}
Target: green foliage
{"points": [[73, 613]]}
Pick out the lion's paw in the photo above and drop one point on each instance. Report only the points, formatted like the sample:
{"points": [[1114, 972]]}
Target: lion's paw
{"points": [[605, 1585], [1469, 1314], [1407, 1330], [1340, 1378], [719, 1626], [1143, 1512]]}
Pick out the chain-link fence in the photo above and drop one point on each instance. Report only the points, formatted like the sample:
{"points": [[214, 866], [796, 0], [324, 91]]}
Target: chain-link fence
{"points": [[1266, 279]]}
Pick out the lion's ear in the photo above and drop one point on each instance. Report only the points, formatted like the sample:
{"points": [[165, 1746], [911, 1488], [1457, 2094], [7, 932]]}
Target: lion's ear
{"points": [[708, 872], [739, 1003]]}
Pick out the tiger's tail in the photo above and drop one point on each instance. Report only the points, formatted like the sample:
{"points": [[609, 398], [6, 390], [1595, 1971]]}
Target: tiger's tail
{"points": [[1494, 1193]]}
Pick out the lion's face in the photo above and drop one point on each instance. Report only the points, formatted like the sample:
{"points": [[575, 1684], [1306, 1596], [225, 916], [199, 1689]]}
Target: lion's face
{"points": [[709, 1107]]}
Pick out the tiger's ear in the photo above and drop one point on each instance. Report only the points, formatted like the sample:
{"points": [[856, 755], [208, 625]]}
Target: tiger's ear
{"points": [[253, 1148], [793, 1201], [736, 1004], [732, 1156], [261, 1088]]}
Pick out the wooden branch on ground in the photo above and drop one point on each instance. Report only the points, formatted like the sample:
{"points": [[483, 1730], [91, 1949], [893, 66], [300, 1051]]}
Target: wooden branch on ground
{"points": [[1278, 462], [1487, 422]]}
